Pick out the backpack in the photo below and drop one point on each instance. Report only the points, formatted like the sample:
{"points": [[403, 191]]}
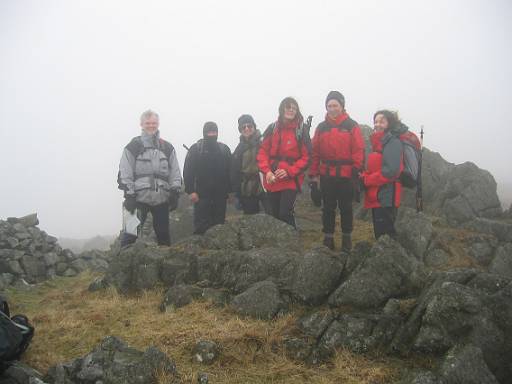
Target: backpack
{"points": [[301, 133], [15, 335], [136, 148], [410, 176]]}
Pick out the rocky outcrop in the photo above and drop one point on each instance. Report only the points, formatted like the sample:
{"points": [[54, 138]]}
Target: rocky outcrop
{"points": [[29, 255], [114, 362]]}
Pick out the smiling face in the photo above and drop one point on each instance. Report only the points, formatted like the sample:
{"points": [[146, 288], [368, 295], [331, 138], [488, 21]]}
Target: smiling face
{"points": [[334, 108], [380, 123], [247, 130], [290, 111], [150, 124]]}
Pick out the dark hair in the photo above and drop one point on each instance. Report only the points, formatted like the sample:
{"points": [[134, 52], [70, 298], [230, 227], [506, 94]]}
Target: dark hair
{"points": [[287, 101], [390, 116]]}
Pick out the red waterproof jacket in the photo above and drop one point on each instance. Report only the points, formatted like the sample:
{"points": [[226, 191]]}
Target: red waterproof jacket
{"points": [[380, 190], [338, 146], [280, 149]]}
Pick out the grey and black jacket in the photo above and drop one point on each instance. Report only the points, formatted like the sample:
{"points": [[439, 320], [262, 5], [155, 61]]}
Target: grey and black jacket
{"points": [[245, 174], [149, 169]]}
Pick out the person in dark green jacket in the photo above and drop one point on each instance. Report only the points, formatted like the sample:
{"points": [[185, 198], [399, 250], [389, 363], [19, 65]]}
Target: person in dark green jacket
{"points": [[245, 175]]}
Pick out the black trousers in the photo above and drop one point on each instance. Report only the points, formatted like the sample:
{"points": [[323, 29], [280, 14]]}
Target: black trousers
{"points": [[209, 211], [251, 204], [160, 215], [384, 221], [337, 192], [281, 205]]}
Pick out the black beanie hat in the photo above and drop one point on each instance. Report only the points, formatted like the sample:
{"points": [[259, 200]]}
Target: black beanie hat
{"points": [[336, 96], [209, 126], [245, 119]]}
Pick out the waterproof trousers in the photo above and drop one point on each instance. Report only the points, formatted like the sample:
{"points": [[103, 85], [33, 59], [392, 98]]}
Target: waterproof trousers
{"points": [[384, 221], [160, 215], [337, 192], [209, 211], [281, 205]]}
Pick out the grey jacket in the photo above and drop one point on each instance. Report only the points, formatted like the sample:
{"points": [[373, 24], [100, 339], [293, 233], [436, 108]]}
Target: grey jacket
{"points": [[149, 169], [392, 155]]}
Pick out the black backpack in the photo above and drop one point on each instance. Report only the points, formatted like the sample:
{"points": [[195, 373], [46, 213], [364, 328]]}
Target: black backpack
{"points": [[15, 335]]}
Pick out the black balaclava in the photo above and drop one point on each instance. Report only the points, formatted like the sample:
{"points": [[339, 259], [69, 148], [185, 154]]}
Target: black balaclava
{"points": [[210, 126]]}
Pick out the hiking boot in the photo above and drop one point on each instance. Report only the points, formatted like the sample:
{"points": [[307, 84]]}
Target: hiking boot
{"points": [[329, 242], [346, 242]]}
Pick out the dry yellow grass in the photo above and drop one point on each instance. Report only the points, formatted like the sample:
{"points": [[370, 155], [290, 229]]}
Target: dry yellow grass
{"points": [[70, 321]]}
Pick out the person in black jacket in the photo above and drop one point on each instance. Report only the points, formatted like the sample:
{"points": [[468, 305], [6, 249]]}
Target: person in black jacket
{"points": [[206, 178], [245, 175]]}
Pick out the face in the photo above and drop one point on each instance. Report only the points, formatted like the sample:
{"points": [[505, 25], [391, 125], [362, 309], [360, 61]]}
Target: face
{"points": [[211, 133], [380, 123], [247, 130], [290, 111], [334, 108], [150, 125]]}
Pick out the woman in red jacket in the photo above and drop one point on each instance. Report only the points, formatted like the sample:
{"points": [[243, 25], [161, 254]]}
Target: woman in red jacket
{"points": [[338, 154], [283, 158], [381, 178]]}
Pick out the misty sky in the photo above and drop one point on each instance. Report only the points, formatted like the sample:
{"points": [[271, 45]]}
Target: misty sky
{"points": [[76, 75]]}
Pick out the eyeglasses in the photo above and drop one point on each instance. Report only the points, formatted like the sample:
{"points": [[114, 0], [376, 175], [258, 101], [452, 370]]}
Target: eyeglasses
{"points": [[250, 126]]}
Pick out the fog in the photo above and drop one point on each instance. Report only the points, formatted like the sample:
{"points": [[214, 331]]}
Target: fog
{"points": [[76, 75]]}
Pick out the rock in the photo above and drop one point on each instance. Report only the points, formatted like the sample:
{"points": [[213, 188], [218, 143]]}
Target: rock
{"points": [[481, 251], [70, 272], [79, 265], [420, 377], [202, 378], [20, 373], [35, 270], [113, 362], [385, 273], [219, 297], [50, 259], [414, 231], [436, 257], [316, 275], [29, 220], [465, 364], [502, 262], [205, 352], [180, 295], [316, 323], [61, 268], [360, 332], [262, 300], [98, 284]]}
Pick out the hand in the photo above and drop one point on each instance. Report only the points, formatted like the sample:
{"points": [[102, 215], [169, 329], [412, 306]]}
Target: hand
{"points": [[194, 197], [270, 177], [130, 203], [281, 173], [173, 200], [355, 173]]}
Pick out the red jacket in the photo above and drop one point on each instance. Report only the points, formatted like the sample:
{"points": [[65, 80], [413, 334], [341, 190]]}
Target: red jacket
{"points": [[281, 149], [338, 146], [373, 178]]}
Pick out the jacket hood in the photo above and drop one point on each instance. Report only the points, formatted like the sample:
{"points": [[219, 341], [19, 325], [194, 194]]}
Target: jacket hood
{"points": [[254, 138]]}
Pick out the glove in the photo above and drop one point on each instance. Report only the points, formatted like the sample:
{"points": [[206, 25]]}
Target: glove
{"points": [[173, 200], [316, 194], [130, 203], [355, 173]]}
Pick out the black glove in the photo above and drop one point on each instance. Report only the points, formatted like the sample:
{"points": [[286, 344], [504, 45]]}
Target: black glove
{"points": [[130, 203], [316, 194], [173, 200]]}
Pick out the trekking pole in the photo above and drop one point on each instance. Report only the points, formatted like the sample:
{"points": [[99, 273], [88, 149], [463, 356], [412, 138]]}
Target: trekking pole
{"points": [[187, 148], [419, 191]]}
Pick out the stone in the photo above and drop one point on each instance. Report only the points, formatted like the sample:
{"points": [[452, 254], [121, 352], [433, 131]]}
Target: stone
{"points": [[436, 257], [385, 273], [465, 364], [29, 220], [205, 352], [501, 229], [50, 259], [70, 272], [317, 274], [262, 300], [180, 295], [79, 265], [316, 323], [502, 261], [114, 362], [414, 230], [98, 284], [20, 373]]}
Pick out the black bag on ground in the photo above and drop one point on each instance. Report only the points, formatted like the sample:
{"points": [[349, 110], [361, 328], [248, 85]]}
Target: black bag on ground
{"points": [[15, 335]]}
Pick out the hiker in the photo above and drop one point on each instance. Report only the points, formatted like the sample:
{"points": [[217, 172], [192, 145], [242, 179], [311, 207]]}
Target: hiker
{"points": [[283, 157], [245, 175], [207, 181], [381, 177], [150, 176], [338, 155]]}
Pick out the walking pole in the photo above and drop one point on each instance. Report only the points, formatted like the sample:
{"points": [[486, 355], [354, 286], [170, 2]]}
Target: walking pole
{"points": [[419, 191]]}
